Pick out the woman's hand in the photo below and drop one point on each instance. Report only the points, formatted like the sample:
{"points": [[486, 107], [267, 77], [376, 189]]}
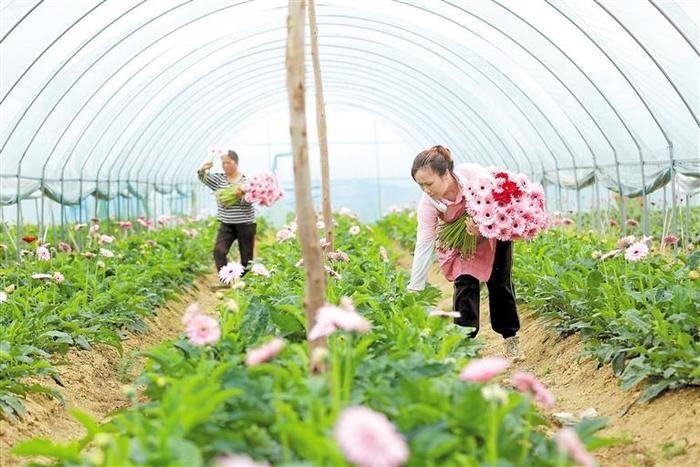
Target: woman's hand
{"points": [[206, 166], [472, 229]]}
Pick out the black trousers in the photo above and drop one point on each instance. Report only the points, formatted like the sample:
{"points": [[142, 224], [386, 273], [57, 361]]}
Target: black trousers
{"points": [[229, 233], [504, 314]]}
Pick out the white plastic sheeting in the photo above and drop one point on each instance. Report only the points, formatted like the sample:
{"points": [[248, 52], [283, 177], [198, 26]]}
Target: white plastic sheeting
{"points": [[123, 97]]}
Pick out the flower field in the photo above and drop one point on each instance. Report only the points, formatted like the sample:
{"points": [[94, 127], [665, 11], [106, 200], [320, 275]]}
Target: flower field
{"points": [[235, 386], [236, 382]]}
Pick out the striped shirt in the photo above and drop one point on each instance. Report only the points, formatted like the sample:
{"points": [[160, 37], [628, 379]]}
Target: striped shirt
{"points": [[241, 212]]}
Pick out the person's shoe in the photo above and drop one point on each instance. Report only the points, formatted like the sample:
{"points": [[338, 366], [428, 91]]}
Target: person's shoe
{"points": [[512, 349]]}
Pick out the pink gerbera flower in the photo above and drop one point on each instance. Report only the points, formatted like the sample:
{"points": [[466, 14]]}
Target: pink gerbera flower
{"points": [[624, 242], [236, 460], [445, 314], [43, 253], [354, 230], [369, 439], [486, 215], [190, 312], [331, 318], [484, 369], [64, 247], [58, 277], [568, 442], [203, 330], [670, 240], [231, 272], [636, 251], [284, 235], [489, 230], [260, 270], [265, 352], [528, 383]]}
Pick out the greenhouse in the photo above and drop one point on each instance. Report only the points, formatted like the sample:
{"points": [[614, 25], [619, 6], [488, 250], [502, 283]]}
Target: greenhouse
{"points": [[349, 232]]}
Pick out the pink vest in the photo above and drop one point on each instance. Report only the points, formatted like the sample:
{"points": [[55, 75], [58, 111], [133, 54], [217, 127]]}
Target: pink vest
{"points": [[452, 263]]}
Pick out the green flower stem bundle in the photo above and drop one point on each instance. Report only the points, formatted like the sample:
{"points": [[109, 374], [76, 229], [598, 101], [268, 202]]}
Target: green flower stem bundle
{"points": [[454, 236], [230, 195]]}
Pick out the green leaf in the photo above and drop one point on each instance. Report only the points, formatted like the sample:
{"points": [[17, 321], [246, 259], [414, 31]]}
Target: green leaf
{"points": [[44, 447], [653, 390], [185, 452], [595, 278]]}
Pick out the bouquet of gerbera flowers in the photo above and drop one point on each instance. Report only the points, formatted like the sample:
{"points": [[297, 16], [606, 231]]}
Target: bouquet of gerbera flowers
{"points": [[503, 206], [508, 207], [262, 189]]}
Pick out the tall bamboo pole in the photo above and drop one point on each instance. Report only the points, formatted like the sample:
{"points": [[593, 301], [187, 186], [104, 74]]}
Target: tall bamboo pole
{"points": [[321, 126], [315, 289]]}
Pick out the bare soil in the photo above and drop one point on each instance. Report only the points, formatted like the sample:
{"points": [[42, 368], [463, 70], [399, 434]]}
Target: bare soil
{"points": [[94, 379]]}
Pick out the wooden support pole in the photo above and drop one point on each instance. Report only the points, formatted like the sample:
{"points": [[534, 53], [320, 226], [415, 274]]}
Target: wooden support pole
{"points": [[315, 289], [321, 126]]}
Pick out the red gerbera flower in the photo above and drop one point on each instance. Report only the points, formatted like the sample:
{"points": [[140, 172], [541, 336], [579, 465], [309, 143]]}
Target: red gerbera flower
{"points": [[502, 175], [29, 238], [502, 197], [512, 188]]}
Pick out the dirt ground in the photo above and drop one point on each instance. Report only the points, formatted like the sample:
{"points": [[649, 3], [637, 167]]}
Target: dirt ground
{"points": [[663, 432], [94, 379]]}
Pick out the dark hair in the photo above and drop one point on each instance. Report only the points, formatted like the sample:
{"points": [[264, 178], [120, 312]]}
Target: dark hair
{"points": [[232, 155], [438, 158]]}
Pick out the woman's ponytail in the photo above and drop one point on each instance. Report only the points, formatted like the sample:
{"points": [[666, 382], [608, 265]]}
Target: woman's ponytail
{"points": [[438, 158]]}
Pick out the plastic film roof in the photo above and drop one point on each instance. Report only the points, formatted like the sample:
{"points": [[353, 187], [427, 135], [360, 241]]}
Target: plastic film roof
{"points": [[105, 97]]}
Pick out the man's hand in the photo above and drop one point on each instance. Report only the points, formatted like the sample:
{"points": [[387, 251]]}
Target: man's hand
{"points": [[206, 166]]}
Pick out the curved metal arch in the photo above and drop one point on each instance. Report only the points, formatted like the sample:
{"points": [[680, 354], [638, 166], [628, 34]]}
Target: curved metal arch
{"points": [[369, 94], [379, 77], [675, 26], [197, 49], [20, 20], [154, 120], [185, 173], [652, 58], [595, 122], [365, 91], [175, 111], [484, 122], [404, 2], [646, 106], [512, 39], [355, 26], [422, 74], [254, 101], [237, 58], [274, 94], [441, 46], [38, 57], [402, 65], [43, 88], [233, 117], [485, 75]]}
